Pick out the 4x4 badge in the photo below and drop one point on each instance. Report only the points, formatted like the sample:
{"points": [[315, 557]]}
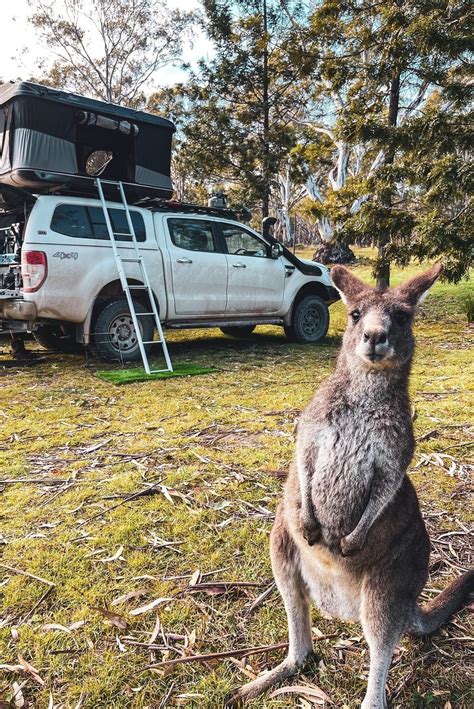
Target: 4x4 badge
{"points": [[70, 254]]}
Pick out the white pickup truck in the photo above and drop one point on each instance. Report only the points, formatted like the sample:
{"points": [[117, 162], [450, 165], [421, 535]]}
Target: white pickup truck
{"points": [[205, 268]]}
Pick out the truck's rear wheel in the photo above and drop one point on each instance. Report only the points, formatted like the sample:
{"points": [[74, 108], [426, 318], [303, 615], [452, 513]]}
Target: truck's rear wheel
{"points": [[242, 332], [60, 337], [113, 333], [310, 320]]}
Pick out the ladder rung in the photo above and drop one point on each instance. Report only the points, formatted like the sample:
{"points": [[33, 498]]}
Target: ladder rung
{"points": [[138, 259]]}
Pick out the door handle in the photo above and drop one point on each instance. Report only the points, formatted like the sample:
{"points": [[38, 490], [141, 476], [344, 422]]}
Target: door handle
{"points": [[184, 260], [239, 265]]}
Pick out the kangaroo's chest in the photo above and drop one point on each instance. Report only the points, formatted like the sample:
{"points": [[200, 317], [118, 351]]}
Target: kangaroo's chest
{"points": [[347, 453]]}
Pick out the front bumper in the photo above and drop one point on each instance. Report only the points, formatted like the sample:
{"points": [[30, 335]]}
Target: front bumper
{"points": [[332, 295]]}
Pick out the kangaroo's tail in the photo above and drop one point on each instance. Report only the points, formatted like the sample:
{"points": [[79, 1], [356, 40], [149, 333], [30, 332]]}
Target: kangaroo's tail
{"points": [[429, 617]]}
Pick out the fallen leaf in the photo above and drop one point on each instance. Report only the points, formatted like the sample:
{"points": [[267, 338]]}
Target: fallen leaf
{"points": [[18, 697], [342, 643], [312, 691], [128, 596], [77, 624], [195, 578], [96, 447], [155, 631], [165, 492], [113, 618], [150, 606], [116, 556], [30, 669], [56, 626]]}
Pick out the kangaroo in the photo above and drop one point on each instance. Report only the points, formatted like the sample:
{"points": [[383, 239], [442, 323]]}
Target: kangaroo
{"points": [[348, 533]]}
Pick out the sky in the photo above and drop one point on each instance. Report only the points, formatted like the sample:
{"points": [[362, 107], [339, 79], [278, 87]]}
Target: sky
{"points": [[20, 48]]}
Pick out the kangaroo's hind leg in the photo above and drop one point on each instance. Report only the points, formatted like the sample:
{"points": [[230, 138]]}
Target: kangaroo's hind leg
{"points": [[385, 614], [285, 564]]}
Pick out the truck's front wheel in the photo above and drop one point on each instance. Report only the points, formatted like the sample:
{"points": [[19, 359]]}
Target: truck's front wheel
{"points": [[113, 333], [310, 320]]}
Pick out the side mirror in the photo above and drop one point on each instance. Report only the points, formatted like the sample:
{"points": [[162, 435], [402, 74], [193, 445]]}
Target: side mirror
{"points": [[276, 251]]}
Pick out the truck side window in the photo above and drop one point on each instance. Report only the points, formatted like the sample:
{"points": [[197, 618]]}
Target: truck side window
{"points": [[192, 234], [89, 222], [72, 220], [241, 243]]}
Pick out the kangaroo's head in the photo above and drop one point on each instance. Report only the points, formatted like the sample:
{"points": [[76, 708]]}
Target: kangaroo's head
{"points": [[379, 332]]}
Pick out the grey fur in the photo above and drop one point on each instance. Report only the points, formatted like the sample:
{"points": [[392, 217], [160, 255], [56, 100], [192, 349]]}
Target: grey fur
{"points": [[348, 533]]}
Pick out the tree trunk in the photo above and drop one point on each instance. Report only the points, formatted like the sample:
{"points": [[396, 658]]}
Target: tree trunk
{"points": [[266, 122], [382, 269]]}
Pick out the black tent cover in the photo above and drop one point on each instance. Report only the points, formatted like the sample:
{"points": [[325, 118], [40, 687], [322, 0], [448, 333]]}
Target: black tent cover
{"points": [[47, 137]]}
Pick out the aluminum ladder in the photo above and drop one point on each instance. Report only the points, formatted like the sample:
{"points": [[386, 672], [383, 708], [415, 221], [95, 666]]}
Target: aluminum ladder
{"points": [[129, 287]]}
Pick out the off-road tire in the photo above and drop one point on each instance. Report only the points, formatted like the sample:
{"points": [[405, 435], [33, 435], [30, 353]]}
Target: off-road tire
{"points": [[60, 337], [242, 332], [113, 334], [310, 321]]}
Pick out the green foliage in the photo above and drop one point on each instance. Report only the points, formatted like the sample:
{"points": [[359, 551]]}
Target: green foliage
{"points": [[236, 109], [469, 307], [391, 79]]}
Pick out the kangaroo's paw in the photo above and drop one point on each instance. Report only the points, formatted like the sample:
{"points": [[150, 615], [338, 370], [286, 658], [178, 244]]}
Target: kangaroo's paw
{"points": [[311, 530], [238, 697], [351, 544]]}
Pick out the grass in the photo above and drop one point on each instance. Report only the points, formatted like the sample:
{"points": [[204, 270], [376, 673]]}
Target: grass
{"points": [[138, 374], [216, 445]]}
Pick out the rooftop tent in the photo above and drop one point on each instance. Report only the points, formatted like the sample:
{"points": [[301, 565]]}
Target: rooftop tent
{"points": [[57, 141]]}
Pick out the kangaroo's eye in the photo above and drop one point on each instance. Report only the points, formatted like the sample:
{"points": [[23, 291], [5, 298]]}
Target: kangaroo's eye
{"points": [[401, 317], [355, 315]]}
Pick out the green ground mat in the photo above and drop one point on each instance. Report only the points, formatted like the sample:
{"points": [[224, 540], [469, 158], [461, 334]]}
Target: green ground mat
{"points": [[126, 376]]}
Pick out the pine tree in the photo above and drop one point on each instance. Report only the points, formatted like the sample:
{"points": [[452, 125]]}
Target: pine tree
{"points": [[400, 71], [239, 104]]}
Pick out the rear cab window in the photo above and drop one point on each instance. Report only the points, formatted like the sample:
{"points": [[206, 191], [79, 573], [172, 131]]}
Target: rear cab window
{"points": [[81, 222]]}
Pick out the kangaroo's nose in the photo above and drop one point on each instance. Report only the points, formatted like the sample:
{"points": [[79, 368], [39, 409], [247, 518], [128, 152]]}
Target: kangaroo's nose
{"points": [[375, 337]]}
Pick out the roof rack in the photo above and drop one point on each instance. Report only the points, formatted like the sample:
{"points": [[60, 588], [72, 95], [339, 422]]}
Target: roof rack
{"points": [[169, 205]]}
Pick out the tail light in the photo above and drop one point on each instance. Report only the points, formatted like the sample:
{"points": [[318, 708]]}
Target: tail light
{"points": [[34, 269]]}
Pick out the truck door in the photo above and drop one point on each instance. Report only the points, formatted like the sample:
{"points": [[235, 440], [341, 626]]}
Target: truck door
{"points": [[256, 282], [198, 267]]}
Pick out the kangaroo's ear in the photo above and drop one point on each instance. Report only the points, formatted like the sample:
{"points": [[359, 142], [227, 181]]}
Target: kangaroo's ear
{"points": [[416, 289], [348, 285]]}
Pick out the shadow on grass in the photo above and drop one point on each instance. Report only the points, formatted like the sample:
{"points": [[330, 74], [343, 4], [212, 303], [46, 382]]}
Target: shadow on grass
{"points": [[264, 347]]}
